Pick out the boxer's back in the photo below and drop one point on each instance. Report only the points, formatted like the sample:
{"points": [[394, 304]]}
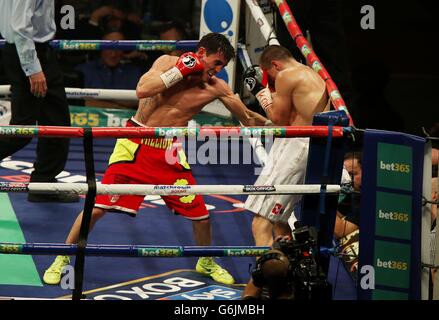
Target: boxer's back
{"points": [[308, 94]]}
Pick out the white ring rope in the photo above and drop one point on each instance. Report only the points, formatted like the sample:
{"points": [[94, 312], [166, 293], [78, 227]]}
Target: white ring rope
{"points": [[256, 143], [168, 190], [259, 16], [259, 149], [101, 94], [80, 93], [246, 61], [270, 36], [213, 108]]}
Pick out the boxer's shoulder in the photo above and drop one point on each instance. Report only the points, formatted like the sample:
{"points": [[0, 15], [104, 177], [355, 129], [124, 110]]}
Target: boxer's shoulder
{"points": [[165, 62]]}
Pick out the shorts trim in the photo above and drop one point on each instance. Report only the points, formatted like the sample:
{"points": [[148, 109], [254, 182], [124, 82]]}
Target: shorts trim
{"points": [[197, 218], [137, 123], [120, 209]]}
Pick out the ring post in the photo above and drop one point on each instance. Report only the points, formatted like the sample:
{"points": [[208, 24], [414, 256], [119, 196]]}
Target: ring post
{"points": [[390, 215], [86, 216], [324, 172]]}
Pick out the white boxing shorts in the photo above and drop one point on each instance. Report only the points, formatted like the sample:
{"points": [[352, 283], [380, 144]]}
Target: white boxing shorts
{"points": [[286, 164]]}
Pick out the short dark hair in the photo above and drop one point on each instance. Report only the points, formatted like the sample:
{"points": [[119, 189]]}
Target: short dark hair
{"points": [[108, 31], [273, 52], [354, 155], [174, 24], [216, 42]]}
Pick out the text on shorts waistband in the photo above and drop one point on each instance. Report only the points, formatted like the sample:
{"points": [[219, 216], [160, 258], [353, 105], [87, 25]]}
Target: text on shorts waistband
{"points": [[158, 143]]}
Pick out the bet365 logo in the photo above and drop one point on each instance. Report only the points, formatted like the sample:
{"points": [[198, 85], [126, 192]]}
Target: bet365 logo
{"points": [[396, 167], [393, 216], [391, 264]]}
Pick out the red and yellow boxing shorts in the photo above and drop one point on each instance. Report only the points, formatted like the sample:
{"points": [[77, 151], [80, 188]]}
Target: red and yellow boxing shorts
{"points": [[158, 161]]}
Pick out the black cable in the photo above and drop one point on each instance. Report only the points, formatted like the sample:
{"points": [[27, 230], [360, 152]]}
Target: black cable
{"points": [[86, 216], [428, 137], [425, 201]]}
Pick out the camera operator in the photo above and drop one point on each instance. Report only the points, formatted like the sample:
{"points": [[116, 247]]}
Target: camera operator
{"points": [[290, 270], [269, 278]]}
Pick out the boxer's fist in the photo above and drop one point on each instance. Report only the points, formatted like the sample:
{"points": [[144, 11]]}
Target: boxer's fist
{"points": [[187, 64], [253, 80]]}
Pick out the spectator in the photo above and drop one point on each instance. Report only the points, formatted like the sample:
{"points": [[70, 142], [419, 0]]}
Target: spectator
{"points": [[348, 215], [109, 72], [435, 156], [169, 30], [434, 194], [172, 30], [114, 15], [347, 220], [434, 132]]}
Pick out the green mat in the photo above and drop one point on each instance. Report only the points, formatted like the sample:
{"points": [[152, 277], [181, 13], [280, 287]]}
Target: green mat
{"points": [[14, 269]]}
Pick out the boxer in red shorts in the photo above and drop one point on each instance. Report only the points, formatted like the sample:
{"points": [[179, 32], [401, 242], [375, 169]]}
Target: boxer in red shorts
{"points": [[144, 161], [171, 93]]}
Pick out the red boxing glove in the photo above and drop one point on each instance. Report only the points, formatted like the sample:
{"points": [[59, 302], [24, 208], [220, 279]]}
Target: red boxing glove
{"points": [[187, 64], [265, 81]]}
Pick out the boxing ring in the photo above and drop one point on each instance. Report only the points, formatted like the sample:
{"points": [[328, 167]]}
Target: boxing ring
{"points": [[91, 189], [328, 136]]}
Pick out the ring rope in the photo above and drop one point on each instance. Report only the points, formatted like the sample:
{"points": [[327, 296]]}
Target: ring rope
{"points": [[131, 250], [168, 132], [136, 250], [117, 94], [81, 93], [311, 58], [128, 45], [165, 190], [261, 21], [173, 190], [256, 143]]}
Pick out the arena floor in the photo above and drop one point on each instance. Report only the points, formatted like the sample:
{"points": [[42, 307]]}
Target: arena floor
{"points": [[130, 278]]}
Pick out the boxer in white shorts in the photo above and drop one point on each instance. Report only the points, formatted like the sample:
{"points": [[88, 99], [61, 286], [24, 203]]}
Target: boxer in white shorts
{"points": [[287, 165], [291, 94]]}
